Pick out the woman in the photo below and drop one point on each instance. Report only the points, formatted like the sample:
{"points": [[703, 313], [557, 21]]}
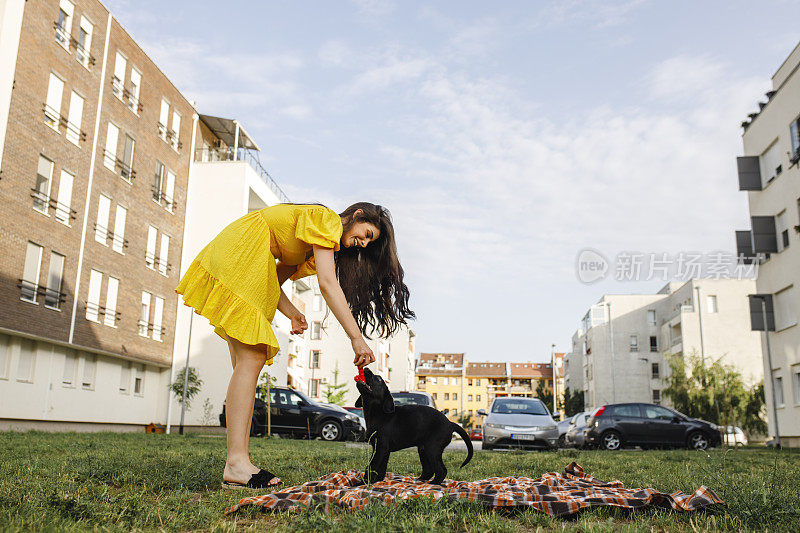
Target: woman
{"points": [[235, 282]]}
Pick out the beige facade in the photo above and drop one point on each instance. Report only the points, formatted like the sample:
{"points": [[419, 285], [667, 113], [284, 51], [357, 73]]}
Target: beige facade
{"points": [[620, 351], [770, 172]]}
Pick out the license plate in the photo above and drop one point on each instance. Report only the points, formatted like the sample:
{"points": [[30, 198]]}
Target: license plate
{"points": [[522, 436]]}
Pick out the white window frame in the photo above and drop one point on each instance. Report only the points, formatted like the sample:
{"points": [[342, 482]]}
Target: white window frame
{"points": [[316, 304], [55, 95], [150, 251], [5, 355], [777, 387], [30, 361], [785, 314], [176, 130], [634, 343], [83, 52], [63, 32], [41, 198], [70, 371], [112, 144], [103, 214], [169, 192], [651, 317], [796, 383], [127, 166], [163, 118], [89, 371], [118, 239], [32, 269], [136, 90], [158, 181], [144, 314], [75, 118], [316, 331], [110, 314], [781, 227], [158, 317], [55, 279], [138, 380], [63, 211], [712, 305], [93, 296], [163, 255], [118, 77]]}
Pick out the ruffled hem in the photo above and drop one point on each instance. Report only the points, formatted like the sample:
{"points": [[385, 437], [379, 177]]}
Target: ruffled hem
{"points": [[228, 313]]}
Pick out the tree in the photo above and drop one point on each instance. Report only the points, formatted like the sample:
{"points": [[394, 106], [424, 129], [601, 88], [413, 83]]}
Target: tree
{"points": [[465, 421], [544, 394], [193, 386], [714, 392], [265, 382], [573, 402], [335, 393]]}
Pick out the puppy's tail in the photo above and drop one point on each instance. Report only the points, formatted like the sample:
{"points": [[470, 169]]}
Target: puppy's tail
{"points": [[464, 435]]}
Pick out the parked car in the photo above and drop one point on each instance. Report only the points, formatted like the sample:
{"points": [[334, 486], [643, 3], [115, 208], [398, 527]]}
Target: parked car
{"points": [[356, 411], [518, 422], [413, 398], [475, 434], [563, 427], [295, 414], [734, 436], [574, 437], [648, 425]]}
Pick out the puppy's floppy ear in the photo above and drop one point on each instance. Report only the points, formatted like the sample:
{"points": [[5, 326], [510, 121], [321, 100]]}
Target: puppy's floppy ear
{"points": [[388, 403], [359, 402]]}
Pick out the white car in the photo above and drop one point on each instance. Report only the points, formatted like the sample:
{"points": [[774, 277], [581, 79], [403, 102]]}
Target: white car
{"points": [[734, 436]]}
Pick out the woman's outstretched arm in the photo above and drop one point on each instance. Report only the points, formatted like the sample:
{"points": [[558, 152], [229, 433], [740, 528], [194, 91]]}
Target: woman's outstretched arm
{"points": [[332, 292]]}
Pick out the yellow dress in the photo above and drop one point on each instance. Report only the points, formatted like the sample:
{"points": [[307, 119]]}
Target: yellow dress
{"points": [[233, 281]]}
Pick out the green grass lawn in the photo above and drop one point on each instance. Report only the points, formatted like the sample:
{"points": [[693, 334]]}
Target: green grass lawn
{"points": [[136, 481]]}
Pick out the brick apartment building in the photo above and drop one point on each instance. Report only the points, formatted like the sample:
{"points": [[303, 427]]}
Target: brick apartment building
{"points": [[95, 152]]}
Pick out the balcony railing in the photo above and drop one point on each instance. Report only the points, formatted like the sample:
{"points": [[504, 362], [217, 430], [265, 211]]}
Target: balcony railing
{"points": [[43, 203], [228, 154], [30, 292]]}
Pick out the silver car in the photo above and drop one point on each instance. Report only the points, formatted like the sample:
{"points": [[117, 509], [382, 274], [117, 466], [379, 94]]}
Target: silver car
{"points": [[518, 423]]}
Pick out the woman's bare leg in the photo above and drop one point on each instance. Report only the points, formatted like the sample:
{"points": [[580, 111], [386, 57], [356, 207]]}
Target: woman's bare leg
{"points": [[248, 361]]}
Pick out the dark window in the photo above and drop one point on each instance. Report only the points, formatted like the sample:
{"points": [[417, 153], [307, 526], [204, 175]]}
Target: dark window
{"points": [[655, 371], [626, 410], [657, 400], [653, 343], [785, 238]]}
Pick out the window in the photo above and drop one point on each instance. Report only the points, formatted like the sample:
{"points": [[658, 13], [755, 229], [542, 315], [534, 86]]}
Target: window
{"points": [[158, 180], [469, 382], [314, 360], [770, 163], [138, 381], [455, 381], [41, 193], [83, 49], [101, 226], [52, 295], [782, 230], [317, 302], [651, 317], [653, 343], [170, 191], [64, 23], [150, 253], [455, 396], [778, 384], [432, 380], [477, 397], [64, 200], [469, 412], [784, 308], [655, 371], [27, 360], [163, 255], [446, 395], [445, 381], [478, 382], [5, 355], [144, 315], [118, 240], [711, 303], [469, 397], [70, 368], [634, 343], [162, 119], [316, 331], [125, 377], [631, 410], [126, 167], [74, 133], [89, 370], [110, 155], [313, 387], [110, 318], [30, 274], [176, 130], [118, 81], [158, 315], [93, 303], [136, 86], [445, 411], [434, 395], [795, 382]]}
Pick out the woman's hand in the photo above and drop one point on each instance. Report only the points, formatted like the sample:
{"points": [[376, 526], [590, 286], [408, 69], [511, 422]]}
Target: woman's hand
{"points": [[299, 324], [364, 355]]}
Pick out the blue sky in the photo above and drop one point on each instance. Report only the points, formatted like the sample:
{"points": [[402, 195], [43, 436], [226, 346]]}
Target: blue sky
{"points": [[504, 136]]}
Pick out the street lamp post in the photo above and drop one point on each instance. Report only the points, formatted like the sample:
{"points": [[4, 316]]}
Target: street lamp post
{"points": [[553, 367]]}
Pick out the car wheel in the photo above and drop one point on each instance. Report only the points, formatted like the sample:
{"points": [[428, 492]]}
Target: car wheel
{"points": [[562, 441], [697, 441], [611, 440], [330, 430]]}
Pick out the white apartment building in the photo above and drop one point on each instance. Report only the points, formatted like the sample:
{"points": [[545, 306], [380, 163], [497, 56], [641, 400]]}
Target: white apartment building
{"points": [[619, 353], [769, 171]]}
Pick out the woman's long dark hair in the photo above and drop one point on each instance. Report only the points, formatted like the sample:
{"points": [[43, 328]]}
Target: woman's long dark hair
{"points": [[371, 277]]}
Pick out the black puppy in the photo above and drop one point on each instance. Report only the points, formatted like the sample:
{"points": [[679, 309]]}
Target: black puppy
{"points": [[391, 428]]}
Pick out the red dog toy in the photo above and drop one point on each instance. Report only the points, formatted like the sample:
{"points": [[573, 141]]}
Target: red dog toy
{"points": [[360, 376]]}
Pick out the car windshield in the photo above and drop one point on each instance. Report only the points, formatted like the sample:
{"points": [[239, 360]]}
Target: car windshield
{"points": [[507, 406], [409, 398]]}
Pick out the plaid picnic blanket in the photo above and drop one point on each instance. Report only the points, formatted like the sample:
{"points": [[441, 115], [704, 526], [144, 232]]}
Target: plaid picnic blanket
{"points": [[555, 494]]}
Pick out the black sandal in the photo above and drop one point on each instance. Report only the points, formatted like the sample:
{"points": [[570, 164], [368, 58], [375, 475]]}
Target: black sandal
{"points": [[260, 480]]}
